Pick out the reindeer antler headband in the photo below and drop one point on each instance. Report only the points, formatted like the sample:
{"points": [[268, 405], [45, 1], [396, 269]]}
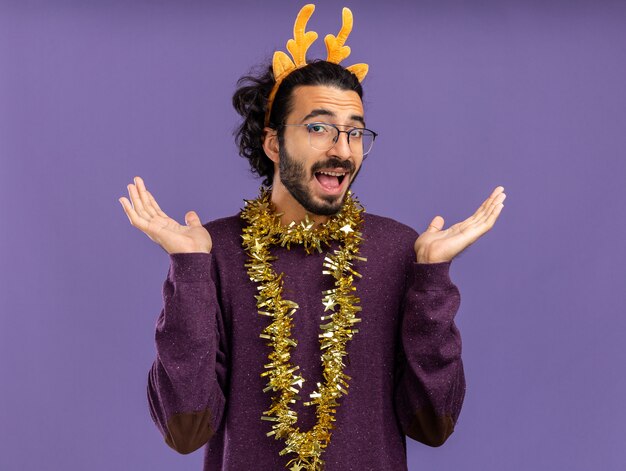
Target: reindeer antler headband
{"points": [[283, 66]]}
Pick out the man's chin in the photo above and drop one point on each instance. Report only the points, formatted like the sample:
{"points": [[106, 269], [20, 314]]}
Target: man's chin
{"points": [[315, 201], [328, 205]]}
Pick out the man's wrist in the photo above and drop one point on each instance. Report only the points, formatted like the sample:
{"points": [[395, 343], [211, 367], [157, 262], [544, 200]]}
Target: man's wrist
{"points": [[427, 261], [190, 267]]}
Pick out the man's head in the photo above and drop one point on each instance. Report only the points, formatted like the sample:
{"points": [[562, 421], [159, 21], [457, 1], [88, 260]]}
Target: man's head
{"points": [[334, 95], [314, 170]]}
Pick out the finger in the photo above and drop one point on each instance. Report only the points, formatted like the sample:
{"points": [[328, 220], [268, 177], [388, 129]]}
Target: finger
{"points": [[497, 190], [435, 225], [192, 219], [156, 206], [489, 218], [484, 218], [498, 200], [136, 200], [123, 202], [145, 199], [494, 194], [133, 217], [493, 217], [485, 209]]}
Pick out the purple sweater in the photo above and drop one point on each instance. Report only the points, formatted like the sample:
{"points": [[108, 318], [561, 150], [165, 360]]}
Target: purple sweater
{"points": [[205, 386]]}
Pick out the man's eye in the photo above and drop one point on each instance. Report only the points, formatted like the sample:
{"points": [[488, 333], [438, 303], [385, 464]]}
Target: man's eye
{"points": [[317, 128], [356, 133]]}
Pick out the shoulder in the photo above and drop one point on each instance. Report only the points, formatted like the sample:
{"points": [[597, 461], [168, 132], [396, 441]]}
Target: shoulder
{"points": [[226, 232], [388, 246], [382, 227], [387, 239]]}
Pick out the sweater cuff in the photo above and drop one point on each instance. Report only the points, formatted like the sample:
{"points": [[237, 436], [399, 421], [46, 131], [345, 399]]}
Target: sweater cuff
{"points": [[432, 276], [190, 267]]}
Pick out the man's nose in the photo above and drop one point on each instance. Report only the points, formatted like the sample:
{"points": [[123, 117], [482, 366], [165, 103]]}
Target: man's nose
{"points": [[342, 146]]}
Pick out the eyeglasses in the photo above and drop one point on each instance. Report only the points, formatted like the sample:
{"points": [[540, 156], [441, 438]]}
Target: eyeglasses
{"points": [[323, 136]]}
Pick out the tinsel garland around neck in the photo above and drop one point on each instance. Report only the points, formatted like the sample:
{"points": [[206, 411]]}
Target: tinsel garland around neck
{"points": [[264, 230]]}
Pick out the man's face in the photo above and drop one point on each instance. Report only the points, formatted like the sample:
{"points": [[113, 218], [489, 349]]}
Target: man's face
{"points": [[302, 168]]}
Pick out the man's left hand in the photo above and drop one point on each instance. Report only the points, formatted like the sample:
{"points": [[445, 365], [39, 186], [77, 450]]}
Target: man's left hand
{"points": [[436, 245]]}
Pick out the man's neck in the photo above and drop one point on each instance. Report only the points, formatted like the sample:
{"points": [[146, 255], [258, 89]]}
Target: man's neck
{"points": [[284, 203]]}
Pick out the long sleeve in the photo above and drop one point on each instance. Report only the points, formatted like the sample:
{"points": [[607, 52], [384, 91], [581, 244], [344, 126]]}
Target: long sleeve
{"points": [[430, 382], [186, 383]]}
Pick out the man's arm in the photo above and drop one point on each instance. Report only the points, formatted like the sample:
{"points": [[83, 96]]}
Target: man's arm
{"points": [[430, 382], [186, 384]]}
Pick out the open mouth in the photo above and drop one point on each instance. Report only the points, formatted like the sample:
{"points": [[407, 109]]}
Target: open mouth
{"points": [[332, 182]]}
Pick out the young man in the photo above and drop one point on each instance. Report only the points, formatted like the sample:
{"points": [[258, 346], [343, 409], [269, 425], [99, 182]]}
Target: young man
{"points": [[303, 332]]}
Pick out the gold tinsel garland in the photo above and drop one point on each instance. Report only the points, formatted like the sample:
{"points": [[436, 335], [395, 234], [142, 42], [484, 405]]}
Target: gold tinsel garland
{"points": [[264, 230]]}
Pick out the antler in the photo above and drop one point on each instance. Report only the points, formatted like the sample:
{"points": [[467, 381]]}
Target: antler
{"points": [[336, 49], [282, 65], [360, 70], [297, 46], [335, 45]]}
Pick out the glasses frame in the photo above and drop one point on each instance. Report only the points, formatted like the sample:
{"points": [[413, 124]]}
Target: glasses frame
{"points": [[339, 131]]}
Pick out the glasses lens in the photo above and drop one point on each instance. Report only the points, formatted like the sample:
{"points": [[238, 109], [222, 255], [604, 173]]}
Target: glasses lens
{"points": [[363, 138], [322, 136]]}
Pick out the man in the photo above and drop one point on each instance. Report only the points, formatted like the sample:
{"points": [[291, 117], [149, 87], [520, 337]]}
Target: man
{"points": [[302, 332]]}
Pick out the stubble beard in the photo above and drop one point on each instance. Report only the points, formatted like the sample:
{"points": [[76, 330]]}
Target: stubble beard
{"points": [[294, 177]]}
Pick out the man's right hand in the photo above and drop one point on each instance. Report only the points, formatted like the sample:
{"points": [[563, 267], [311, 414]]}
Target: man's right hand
{"points": [[145, 214]]}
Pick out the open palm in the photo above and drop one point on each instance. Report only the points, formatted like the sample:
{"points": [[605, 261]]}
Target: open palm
{"points": [[436, 245], [145, 214]]}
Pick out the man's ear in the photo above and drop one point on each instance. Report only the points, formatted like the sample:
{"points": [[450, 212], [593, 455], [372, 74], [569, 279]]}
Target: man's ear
{"points": [[270, 144]]}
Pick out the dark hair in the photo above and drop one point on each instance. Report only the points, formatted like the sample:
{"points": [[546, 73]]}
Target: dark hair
{"points": [[250, 101]]}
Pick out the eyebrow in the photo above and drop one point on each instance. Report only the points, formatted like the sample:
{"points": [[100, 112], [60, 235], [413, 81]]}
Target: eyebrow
{"points": [[325, 112]]}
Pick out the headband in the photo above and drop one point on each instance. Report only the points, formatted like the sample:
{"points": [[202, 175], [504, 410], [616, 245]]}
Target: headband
{"points": [[297, 47]]}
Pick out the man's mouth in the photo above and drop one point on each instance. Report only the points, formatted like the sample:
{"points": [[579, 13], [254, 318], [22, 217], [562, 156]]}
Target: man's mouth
{"points": [[331, 181]]}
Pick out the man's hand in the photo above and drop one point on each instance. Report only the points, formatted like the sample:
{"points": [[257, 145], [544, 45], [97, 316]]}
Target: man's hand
{"points": [[436, 245], [146, 215]]}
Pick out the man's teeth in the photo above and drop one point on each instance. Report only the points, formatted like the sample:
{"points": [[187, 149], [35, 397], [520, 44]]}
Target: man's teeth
{"points": [[334, 174]]}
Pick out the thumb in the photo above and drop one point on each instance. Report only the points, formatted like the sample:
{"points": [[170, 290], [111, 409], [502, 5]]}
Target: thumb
{"points": [[192, 219], [435, 225]]}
